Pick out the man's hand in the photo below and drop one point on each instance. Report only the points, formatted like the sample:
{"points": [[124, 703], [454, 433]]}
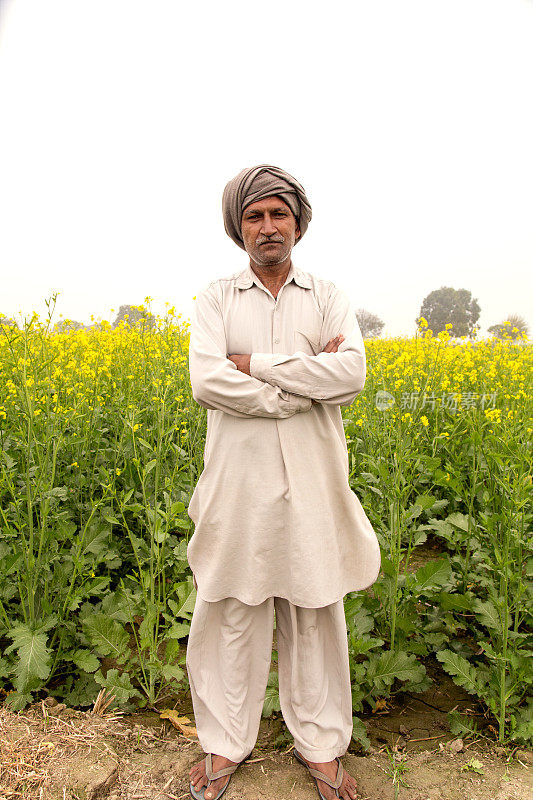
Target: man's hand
{"points": [[333, 344], [242, 361]]}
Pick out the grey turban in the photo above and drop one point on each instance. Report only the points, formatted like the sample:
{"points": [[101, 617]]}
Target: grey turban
{"points": [[256, 183]]}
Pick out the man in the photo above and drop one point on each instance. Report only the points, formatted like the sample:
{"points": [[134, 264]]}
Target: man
{"points": [[274, 353]]}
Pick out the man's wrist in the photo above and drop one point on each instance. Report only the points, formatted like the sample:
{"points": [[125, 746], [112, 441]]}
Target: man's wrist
{"points": [[241, 361]]}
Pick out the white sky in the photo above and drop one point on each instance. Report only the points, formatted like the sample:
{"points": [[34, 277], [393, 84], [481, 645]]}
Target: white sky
{"points": [[410, 125]]}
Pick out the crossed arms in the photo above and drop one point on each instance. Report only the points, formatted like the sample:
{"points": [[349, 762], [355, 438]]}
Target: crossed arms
{"points": [[278, 385]]}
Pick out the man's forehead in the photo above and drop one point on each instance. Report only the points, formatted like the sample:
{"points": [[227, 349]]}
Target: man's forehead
{"points": [[267, 203]]}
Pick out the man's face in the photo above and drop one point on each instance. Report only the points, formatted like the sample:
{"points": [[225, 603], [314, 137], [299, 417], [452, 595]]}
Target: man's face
{"points": [[269, 231]]}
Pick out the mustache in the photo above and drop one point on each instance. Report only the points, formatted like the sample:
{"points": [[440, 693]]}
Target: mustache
{"points": [[265, 239]]}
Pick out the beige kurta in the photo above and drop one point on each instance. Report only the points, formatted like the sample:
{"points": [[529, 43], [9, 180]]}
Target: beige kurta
{"points": [[273, 510]]}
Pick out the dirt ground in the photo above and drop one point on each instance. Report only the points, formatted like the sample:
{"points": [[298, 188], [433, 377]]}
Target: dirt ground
{"points": [[54, 753]]}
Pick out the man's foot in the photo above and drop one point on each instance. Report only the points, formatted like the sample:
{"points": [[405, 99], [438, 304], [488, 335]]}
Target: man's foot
{"points": [[348, 787], [198, 776]]}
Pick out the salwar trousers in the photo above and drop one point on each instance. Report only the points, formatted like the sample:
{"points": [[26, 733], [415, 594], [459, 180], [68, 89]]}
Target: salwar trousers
{"points": [[228, 663]]}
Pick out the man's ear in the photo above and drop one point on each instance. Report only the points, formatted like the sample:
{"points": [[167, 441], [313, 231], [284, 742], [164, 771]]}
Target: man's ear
{"points": [[298, 234]]}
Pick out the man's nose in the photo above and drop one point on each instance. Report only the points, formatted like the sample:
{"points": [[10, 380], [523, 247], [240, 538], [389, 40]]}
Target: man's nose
{"points": [[268, 228]]}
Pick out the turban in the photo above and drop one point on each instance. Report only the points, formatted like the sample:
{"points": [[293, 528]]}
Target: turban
{"points": [[255, 184]]}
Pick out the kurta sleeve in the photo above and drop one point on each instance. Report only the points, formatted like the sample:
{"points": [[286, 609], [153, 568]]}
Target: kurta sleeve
{"points": [[218, 384], [334, 378]]}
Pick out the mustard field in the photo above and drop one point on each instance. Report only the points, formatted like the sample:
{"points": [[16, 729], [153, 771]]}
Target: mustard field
{"points": [[102, 444]]}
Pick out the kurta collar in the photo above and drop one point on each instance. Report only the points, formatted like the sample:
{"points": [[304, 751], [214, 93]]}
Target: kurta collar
{"points": [[247, 278]]}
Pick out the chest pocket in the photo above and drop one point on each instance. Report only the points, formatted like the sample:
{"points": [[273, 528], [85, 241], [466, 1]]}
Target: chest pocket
{"points": [[307, 340]]}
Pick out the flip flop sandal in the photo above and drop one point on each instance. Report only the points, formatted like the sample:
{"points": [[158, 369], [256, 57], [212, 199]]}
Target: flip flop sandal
{"points": [[213, 776], [321, 777]]}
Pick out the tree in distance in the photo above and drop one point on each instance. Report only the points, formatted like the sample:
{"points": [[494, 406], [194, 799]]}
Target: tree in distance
{"points": [[134, 314], [513, 327], [451, 305], [10, 323], [65, 325], [370, 324]]}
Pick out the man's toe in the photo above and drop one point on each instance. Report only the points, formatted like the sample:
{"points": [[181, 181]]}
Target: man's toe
{"points": [[352, 791]]}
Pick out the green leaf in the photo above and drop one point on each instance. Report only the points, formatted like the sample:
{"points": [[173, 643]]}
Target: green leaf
{"points": [[361, 622], [86, 660], [147, 626], [172, 650], [96, 586], [181, 523], [271, 703], [17, 701], [179, 630], [33, 664], [187, 606], [441, 527], [387, 566], [436, 640], [487, 614], [425, 501], [432, 575], [461, 670], [59, 492], [172, 672], [359, 733], [522, 723], [369, 477], [474, 765], [107, 635], [386, 667], [83, 693], [9, 563], [115, 605], [119, 685], [149, 467], [10, 462], [462, 725], [127, 497], [430, 462], [181, 550], [420, 536], [95, 537], [358, 695], [406, 623], [361, 646], [459, 521], [456, 602], [135, 508], [414, 511]]}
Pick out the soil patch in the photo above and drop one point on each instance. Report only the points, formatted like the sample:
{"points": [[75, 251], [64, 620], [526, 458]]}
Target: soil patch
{"points": [[55, 753]]}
